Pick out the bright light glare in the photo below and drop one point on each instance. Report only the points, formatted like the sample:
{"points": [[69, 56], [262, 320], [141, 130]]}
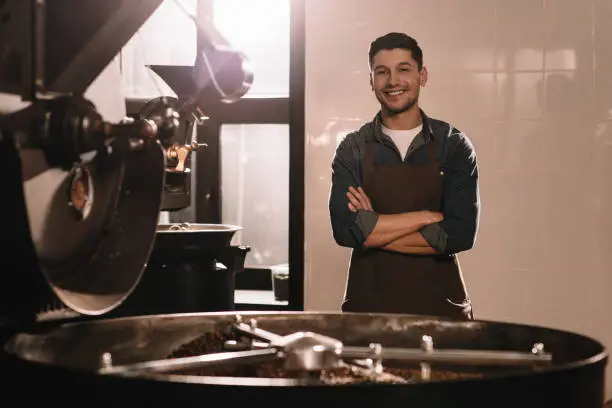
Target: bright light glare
{"points": [[260, 29]]}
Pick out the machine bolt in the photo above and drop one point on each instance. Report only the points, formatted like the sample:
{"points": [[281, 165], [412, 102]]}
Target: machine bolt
{"points": [[253, 324], [136, 144], [426, 346], [538, 348], [106, 360], [376, 361]]}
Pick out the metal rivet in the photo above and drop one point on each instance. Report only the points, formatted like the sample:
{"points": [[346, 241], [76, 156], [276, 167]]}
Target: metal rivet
{"points": [[106, 360]]}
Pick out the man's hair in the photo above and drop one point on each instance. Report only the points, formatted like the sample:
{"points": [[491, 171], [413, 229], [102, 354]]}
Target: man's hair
{"points": [[392, 41]]}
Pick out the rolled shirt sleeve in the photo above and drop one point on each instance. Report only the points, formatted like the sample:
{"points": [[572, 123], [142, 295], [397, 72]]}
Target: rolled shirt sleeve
{"points": [[435, 236]]}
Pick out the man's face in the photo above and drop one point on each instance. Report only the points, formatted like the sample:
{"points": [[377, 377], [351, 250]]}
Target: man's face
{"points": [[396, 80]]}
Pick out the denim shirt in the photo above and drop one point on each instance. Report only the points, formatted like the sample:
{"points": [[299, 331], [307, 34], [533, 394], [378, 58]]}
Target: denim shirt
{"points": [[456, 158]]}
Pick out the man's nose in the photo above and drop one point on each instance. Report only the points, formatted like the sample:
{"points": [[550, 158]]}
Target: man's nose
{"points": [[393, 79]]}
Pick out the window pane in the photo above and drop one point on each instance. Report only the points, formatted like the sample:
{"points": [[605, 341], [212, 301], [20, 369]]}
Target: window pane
{"points": [[255, 189], [168, 37], [261, 30]]}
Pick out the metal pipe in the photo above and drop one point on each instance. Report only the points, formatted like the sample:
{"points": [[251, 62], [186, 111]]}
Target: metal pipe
{"points": [[456, 356], [190, 363]]}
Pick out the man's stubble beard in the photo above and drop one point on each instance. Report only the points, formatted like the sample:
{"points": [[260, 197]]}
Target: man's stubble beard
{"points": [[396, 111]]}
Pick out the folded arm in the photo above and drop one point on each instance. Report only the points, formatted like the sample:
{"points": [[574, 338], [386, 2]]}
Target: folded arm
{"points": [[413, 243], [392, 231], [411, 233], [349, 228], [357, 225]]}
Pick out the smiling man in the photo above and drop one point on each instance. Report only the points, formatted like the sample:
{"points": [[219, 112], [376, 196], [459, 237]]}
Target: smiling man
{"points": [[404, 196]]}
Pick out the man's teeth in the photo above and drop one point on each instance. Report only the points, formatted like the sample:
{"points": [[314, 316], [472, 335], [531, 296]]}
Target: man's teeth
{"points": [[395, 93]]}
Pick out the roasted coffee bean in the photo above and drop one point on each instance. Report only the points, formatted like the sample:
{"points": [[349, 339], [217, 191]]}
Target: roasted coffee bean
{"points": [[213, 342]]}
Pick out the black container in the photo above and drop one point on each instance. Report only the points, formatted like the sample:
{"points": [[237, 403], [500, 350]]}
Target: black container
{"points": [[192, 269], [280, 283]]}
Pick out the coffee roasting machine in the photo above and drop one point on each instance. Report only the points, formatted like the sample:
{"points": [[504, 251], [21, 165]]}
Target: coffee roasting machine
{"points": [[82, 197]]}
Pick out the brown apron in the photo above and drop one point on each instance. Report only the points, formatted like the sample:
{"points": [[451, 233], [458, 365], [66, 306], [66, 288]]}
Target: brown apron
{"points": [[389, 282]]}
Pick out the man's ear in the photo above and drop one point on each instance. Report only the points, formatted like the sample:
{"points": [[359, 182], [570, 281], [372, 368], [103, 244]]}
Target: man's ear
{"points": [[424, 75]]}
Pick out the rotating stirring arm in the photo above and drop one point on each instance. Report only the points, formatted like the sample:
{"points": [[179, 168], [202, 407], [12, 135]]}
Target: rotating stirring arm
{"points": [[311, 352]]}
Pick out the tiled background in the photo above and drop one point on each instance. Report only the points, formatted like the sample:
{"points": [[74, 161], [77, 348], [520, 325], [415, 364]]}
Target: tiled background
{"points": [[530, 82]]}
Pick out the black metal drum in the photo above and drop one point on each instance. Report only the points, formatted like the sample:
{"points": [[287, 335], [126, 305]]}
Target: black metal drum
{"points": [[325, 359]]}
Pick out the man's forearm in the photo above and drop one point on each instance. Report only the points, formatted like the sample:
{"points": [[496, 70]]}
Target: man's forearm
{"points": [[390, 227], [413, 243], [411, 250]]}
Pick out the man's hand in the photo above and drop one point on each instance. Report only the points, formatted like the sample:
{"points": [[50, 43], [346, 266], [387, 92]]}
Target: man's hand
{"points": [[358, 200]]}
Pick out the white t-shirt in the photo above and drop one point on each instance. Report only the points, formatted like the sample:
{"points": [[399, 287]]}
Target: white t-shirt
{"points": [[402, 138]]}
